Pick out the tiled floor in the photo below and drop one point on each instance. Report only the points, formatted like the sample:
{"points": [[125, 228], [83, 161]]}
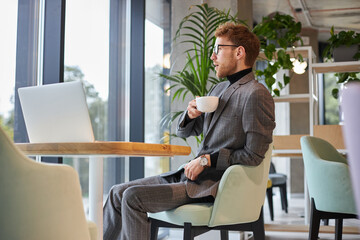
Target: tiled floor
{"points": [[294, 216]]}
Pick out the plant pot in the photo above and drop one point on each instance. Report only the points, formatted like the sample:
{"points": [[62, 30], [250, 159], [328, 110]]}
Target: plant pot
{"points": [[280, 34], [345, 53]]}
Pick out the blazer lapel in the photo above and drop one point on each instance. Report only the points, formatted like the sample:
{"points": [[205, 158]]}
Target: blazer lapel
{"points": [[224, 98]]}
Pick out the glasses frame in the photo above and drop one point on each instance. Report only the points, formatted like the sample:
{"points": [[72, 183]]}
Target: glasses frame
{"points": [[216, 47]]}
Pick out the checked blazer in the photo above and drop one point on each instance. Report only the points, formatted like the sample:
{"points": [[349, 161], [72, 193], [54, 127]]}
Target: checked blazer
{"points": [[240, 130]]}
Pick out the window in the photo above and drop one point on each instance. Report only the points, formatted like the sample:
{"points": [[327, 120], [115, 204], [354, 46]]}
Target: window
{"points": [[87, 59], [331, 104], [8, 26], [157, 103]]}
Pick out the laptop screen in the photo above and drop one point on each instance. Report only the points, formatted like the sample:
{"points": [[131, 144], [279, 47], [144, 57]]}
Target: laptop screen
{"points": [[56, 113]]}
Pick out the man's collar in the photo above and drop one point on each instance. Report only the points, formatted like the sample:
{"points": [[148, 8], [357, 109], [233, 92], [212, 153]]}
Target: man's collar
{"points": [[236, 76]]}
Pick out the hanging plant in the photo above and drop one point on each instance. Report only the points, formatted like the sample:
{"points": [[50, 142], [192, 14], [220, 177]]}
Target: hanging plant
{"points": [[276, 34], [343, 38]]}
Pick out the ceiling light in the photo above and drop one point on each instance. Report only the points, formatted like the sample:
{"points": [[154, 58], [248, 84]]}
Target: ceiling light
{"points": [[299, 67]]}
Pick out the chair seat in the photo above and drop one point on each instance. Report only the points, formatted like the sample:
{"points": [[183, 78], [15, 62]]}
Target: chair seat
{"points": [[277, 178], [197, 213]]}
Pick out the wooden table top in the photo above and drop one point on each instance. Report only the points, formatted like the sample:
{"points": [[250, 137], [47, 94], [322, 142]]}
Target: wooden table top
{"points": [[103, 148]]}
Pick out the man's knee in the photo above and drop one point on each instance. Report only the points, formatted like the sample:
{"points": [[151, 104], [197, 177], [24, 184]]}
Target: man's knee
{"points": [[116, 192], [131, 195]]}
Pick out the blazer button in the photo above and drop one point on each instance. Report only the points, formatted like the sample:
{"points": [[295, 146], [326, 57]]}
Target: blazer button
{"points": [[206, 147]]}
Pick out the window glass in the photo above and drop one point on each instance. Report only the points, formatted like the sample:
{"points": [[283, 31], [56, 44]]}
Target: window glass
{"points": [[333, 114], [157, 103], [87, 59], [331, 104], [8, 26]]}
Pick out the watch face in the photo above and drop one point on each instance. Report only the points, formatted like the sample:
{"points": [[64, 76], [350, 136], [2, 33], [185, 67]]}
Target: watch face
{"points": [[203, 161]]}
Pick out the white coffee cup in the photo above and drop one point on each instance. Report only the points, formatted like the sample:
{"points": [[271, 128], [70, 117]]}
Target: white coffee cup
{"points": [[207, 103]]}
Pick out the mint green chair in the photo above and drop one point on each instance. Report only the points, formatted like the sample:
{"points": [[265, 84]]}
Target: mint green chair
{"points": [[329, 184], [39, 201], [237, 207]]}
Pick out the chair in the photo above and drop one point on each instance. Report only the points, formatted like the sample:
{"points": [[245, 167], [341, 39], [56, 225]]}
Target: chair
{"points": [[237, 207], [277, 180], [328, 180], [39, 201]]}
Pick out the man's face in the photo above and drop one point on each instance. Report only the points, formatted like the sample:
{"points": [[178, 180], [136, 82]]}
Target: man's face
{"points": [[225, 60]]}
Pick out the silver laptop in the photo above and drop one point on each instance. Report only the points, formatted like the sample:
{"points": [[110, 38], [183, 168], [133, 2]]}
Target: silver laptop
{"points": [[56, 113]]}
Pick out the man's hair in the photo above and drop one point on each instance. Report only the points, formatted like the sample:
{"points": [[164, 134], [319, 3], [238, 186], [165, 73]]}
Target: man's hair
{"points": [[240, 35]]}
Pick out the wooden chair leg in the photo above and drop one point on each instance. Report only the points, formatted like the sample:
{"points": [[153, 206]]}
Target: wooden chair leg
{"points": [[338, 228], [188, 233], [314, 222], [224, 234], [269, 195]]}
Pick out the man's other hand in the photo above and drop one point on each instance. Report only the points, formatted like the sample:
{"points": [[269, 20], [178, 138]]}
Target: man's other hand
{"points": [[193, 168]]}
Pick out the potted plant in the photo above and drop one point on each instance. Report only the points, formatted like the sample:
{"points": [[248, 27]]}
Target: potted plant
{"points": [[343, 46], [276, 34], [196, 29], [342, 79], [340, 43]]}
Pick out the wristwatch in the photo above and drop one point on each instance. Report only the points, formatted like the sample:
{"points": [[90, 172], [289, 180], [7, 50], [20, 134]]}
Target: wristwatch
{"points": [[204, 161]]}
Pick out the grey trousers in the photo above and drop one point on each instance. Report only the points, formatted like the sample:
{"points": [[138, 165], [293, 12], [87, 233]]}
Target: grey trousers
{"points": [[125, 210]]}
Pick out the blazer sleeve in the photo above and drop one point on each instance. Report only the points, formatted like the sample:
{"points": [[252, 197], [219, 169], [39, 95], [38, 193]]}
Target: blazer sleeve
{"points": [[258, 121], [192, 128]]}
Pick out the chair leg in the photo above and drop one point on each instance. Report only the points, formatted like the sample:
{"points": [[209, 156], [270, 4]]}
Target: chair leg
{"points": [[283, 195], [258, 227], [326, 222], [188, 233], [338, 228], [314, 222], [154, 231], [269, 194], [224, 234]]}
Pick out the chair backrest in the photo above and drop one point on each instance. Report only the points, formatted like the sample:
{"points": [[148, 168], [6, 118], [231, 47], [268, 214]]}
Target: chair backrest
{"points": [[272, 168], [38, 201], [56, 113], [327, 176], [241, 193]]}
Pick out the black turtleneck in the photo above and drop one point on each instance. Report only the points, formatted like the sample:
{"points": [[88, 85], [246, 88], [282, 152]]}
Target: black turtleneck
{"points": [[236, 76]]}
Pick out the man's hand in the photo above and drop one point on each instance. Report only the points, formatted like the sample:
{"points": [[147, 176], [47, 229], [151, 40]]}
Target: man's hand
{"points": [[192, 110], [193, 168]]}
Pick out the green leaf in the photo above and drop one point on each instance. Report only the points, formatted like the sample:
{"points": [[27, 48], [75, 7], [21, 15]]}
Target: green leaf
{"points": [[283, 43], [286, 80], [276, 92], [280, 85], [335, 93]]}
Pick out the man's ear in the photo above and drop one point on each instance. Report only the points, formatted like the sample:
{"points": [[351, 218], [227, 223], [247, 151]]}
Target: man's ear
{"points": [[240, 53]]}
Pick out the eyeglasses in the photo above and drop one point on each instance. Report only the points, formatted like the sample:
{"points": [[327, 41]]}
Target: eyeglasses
{"points": [[216, 47]]}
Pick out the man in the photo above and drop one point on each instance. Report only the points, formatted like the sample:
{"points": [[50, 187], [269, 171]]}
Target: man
{"points": [[238, 132]]}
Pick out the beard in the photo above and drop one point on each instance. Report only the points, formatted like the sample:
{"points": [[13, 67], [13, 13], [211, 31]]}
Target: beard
{"points": [[222, 71], [220, 75]]}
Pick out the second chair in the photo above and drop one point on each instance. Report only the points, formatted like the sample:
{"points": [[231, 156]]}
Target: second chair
{"points": [[277, 180], [329, 184]]}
